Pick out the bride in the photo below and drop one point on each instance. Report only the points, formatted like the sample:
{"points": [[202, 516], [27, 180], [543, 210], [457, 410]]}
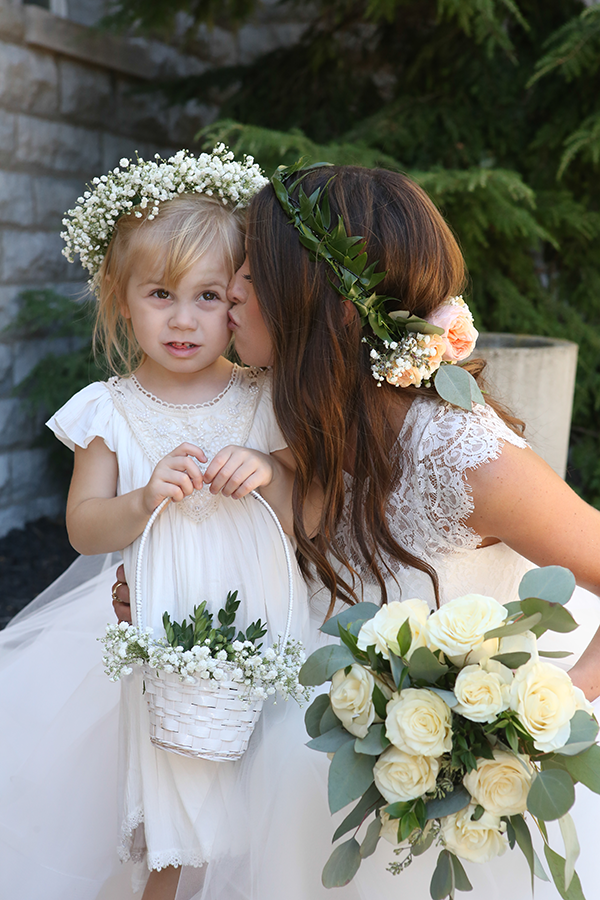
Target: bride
{"points": [[421, 499]]}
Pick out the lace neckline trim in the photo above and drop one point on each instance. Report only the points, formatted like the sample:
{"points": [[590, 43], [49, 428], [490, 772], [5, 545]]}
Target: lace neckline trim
{"points": [[186, 406]]}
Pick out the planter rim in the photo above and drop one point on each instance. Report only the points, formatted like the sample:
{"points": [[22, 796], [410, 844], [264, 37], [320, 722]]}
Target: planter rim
{"points": [[495, 340]]}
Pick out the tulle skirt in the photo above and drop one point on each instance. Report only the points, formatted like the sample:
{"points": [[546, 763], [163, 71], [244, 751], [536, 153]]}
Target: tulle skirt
{"points": [[271, 834]]}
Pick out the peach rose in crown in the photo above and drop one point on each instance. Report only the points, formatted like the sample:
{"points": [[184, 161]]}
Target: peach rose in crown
{"points": [[410, 376], [460, 334]]}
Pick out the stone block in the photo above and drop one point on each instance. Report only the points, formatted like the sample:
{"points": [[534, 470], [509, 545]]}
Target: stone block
{"points": [[86, 12], [33, 257], [11, 22], [16, 515], [28, 80], [29, 475], [27, 354], [8, 128], [115, 146], [5, 485], [6, 362], [216, 45], [254, 40], [8, 304], [169, 62], [186, 120], [16, 199], [53, 197], [57, 146], [86, 94], [141, 113], [17, 426]]}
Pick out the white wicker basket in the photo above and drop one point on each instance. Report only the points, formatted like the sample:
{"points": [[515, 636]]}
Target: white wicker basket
{"points": [[209, 719]]}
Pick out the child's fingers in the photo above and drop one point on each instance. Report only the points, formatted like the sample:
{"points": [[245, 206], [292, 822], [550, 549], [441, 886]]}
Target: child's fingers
{"points": [[183, 464], [252, 483], [187, 449], [221, 459]]}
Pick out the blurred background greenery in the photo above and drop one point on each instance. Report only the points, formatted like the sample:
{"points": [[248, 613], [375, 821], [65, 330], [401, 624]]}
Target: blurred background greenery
{"points": [[492, 105]]}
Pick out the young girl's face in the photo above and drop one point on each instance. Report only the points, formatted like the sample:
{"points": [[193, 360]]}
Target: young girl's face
{"points": [[182, 328]]}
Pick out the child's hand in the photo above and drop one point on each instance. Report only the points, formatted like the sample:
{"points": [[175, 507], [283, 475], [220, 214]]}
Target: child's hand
{"points": [[175, 476], [235, 471]]}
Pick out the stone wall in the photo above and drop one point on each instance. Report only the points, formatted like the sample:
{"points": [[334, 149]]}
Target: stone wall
{"points": [[70, 108]]}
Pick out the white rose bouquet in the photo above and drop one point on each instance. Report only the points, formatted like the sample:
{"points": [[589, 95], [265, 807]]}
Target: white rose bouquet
{"points": [[450, 729], [203, 649]]}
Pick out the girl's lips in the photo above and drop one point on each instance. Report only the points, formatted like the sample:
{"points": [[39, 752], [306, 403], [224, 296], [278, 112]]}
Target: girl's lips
{"points": [[181, 348]]}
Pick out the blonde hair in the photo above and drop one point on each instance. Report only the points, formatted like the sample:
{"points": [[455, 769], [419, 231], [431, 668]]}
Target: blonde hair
{"points": [[184, 230]]}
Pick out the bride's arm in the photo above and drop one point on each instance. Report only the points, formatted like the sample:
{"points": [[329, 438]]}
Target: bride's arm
{"points": [[519, 500]]}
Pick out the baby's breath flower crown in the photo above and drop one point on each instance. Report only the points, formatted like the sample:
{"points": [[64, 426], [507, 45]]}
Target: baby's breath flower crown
{"points": [[405, 349], [136, 185]]}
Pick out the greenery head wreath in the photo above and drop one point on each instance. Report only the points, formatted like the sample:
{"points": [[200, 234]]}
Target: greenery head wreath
{"points": [[405, 349]]}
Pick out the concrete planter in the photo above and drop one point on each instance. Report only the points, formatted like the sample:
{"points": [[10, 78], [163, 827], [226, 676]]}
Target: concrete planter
{"points": [[535, 378]]}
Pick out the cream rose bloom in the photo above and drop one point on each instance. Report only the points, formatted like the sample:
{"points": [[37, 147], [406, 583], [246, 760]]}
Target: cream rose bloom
{"points": [[418, 722], [401, 777], [389, 829], [477, 841], [501, 784], [382, 630], [352, 699], [459, 626], [544, 698], [460, 335], [482, 691], [520, 643]]}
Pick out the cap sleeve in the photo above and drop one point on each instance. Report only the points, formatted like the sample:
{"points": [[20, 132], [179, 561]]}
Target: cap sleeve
{"points": [[265, 434], [453, 442], [87, 415]]}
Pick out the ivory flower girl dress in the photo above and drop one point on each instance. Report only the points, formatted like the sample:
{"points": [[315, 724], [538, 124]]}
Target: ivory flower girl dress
{"points": [[75, 784]]}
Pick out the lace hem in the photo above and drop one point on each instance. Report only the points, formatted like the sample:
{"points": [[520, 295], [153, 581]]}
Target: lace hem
{"points": [[127, 851]]}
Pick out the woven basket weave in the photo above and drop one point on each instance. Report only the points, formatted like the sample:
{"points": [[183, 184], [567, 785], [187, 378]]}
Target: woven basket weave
{"points": [[208, 719]]}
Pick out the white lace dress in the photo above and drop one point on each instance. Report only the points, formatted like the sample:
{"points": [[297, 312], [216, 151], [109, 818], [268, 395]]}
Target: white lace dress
{"points": [[293, 838], [199, 549]]}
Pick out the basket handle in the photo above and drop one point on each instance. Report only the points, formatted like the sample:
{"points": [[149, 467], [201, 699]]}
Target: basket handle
{"points": [[286, 550]]}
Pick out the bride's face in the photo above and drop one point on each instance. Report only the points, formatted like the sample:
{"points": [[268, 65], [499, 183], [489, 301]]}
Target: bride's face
{"points": [[252, 340]]}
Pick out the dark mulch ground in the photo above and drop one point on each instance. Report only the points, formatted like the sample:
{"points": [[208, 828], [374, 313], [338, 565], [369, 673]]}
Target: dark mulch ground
{"points": [[30, 559]]}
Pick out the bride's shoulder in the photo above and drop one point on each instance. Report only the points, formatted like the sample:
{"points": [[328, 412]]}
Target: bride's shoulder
{"points": [[465, 438]]}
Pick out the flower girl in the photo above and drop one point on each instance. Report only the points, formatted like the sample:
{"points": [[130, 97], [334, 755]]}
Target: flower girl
{"points": [[162, 241]]}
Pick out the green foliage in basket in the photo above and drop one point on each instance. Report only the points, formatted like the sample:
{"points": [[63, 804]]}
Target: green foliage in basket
{"points": [[200, 629]]}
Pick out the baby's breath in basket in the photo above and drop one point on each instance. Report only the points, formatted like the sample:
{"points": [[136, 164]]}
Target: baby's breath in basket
{"points": [[205, 684]]}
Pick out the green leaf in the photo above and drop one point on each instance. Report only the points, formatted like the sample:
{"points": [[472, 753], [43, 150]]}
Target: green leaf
{"points": [[554, 616], [454, 801], [554, 654], [523, 839], [552, 583], [572, 848], [350, 774], [374, 743], [328, 721], [423, 844], [371, 800], [551, 795], [512, 660], [586, 768], [324, 663], [404, 638], [342, 865], [448, 697], [556, 865], [314, 714], [517, 627], [399, 670], [368, 846], [424, 666], [455, 385], [360, 612], [330, 741], [442, 881], [379, 702], [584, 730], [461, 882]]}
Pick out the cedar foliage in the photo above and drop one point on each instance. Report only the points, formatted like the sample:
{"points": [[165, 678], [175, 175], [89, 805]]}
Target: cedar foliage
{"points": [[492, 105]]}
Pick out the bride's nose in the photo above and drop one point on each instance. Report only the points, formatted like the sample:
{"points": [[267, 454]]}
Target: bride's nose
{"points": [[236, 288]]}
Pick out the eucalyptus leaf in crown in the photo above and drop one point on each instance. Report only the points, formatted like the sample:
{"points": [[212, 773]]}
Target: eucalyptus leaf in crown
{"points": [[405, 349], [137, 185]]}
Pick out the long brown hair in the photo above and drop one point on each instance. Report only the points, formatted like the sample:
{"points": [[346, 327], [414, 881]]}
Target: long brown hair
{"points": [[326, 401]]}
